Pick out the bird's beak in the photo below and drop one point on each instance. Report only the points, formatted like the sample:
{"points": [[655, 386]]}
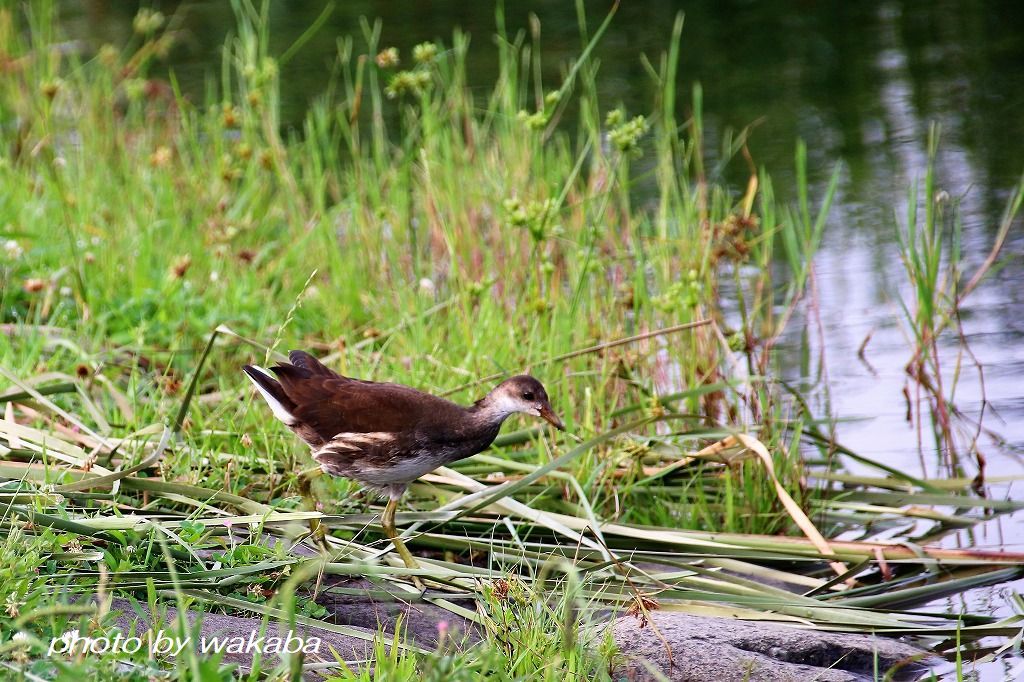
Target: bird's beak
{"points": [[548, 415]]}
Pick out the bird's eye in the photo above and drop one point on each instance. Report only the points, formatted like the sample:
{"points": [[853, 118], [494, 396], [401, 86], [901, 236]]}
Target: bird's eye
{"points": [[528, 395]]}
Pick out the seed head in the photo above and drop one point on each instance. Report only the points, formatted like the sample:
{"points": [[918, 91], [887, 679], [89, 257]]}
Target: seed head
{"points": [[109, 55], [160, 157], [626, 135], [411, 82], [181, 266], [388, 58], [424, 53], [147, 21], [50, 88]]}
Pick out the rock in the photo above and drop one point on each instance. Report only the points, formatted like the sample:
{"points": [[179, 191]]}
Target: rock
{"points": [[703, 649], [422, 622], [221, 626], [721, 649]]}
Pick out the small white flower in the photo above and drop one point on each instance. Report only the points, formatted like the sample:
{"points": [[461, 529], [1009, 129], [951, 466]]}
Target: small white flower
{"points": [[427, 287], [65, 291], [20, 636], [13, 249], [13, 605], [214, 276]]}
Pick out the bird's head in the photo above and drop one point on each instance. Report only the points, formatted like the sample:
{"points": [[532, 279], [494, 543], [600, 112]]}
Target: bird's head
{"points": [[523, 394]]}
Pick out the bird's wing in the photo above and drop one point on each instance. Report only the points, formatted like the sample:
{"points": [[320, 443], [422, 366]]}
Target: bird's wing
{"points": [[314, 367], [333, 405], [330, 404], [365, 457]]}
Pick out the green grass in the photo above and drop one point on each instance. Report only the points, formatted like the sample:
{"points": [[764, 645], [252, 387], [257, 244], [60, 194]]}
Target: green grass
{"points": [[929, 240], [417, 232]]}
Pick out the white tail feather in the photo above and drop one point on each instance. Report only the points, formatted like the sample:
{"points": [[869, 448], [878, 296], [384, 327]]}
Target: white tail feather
{"points": [[275, 405]]}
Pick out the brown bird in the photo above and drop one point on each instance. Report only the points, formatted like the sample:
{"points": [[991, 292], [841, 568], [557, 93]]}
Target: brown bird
{"points": [[388, 435]]}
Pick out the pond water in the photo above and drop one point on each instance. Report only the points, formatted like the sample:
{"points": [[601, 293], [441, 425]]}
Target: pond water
{"points": [[861, 83]]}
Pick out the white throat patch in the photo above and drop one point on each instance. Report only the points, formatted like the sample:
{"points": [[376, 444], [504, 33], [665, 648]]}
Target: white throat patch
{"points": [[504, 404]]}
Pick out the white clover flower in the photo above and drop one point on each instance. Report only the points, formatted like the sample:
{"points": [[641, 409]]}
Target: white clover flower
{"points": [[13, 249]]}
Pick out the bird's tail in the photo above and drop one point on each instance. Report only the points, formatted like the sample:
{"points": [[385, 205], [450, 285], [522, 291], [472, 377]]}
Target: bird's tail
{"points": [[272, 392]]}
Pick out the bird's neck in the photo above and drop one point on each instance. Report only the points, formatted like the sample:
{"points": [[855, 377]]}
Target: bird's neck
{"points": [[490, 411]]}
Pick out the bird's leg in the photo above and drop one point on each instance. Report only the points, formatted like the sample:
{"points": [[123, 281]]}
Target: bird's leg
{"points": [[316, 530], [387, 522]]}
